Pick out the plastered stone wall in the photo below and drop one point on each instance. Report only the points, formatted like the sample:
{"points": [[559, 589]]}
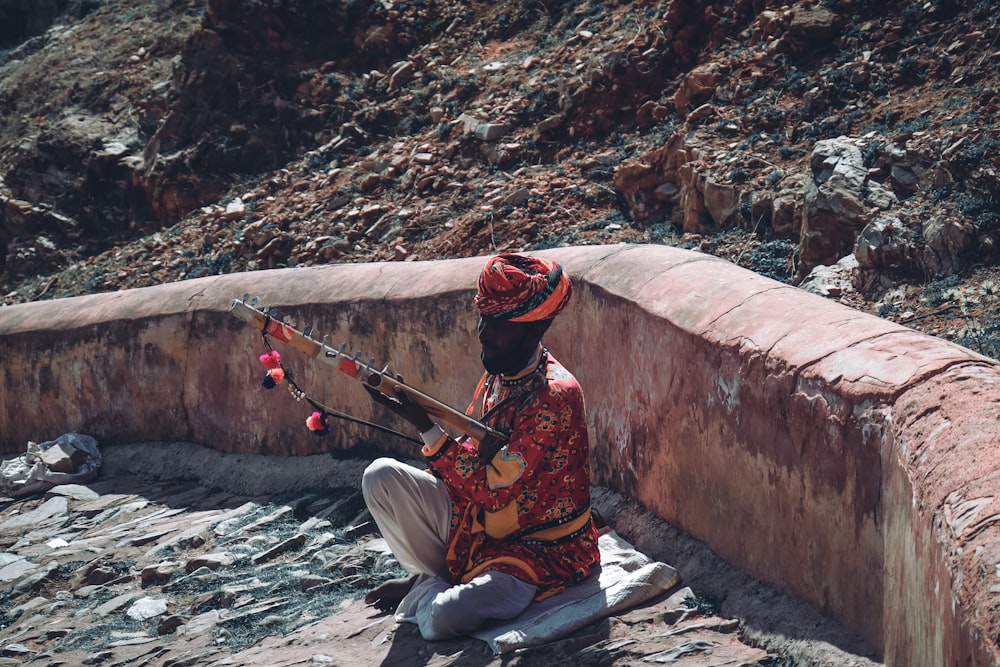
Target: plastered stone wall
{"points": [[834, 455]]}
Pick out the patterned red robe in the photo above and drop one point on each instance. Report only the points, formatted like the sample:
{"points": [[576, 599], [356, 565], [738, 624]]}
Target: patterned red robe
{"points": [[524, 511]]}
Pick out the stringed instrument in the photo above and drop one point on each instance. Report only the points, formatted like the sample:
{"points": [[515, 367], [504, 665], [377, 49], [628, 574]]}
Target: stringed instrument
{"points": [[352, 365]]}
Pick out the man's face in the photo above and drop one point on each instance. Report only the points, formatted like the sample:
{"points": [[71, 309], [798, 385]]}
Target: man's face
{"points": [[507, 346]]}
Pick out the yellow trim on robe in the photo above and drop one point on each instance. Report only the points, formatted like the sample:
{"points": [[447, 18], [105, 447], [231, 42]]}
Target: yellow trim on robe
{"points": [[510, 560], [560, 531], [505, 469], [502, 523]]}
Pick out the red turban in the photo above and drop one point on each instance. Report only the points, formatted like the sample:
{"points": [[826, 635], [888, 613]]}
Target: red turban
{"points": [[522, 289]]}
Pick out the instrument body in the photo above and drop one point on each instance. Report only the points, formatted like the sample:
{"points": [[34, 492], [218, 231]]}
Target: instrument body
{"points": [[353, 366]]}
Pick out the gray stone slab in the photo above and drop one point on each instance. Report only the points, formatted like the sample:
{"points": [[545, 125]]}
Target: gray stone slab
{"points": [[18, 523], [17, 569], [7, 558], [74, 491]]}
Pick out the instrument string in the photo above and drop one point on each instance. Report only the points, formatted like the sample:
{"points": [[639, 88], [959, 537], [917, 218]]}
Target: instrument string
{"points": [[328, 411]]}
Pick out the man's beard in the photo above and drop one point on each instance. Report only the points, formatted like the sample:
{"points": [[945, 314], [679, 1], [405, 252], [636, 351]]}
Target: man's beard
{"points": [[505, 364]]}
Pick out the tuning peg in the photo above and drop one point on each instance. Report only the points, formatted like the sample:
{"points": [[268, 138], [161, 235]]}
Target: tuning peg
{"points": [[266, 310], [307, 331], [254, 301], [371, 363], [383, 371], [246, 295]]}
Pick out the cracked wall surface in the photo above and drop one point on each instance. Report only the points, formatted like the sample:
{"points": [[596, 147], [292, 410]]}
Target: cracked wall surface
{"points": [[832, 454]]}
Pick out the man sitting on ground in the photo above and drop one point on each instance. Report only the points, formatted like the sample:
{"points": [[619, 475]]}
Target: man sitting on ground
{"points": [[492, 526]]}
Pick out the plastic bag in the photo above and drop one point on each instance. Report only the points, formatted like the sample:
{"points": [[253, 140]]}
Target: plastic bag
{"points": [[29, 474]]}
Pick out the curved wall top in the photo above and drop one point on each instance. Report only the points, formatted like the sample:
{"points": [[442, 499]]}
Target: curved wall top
{"points": [[845, 459]]}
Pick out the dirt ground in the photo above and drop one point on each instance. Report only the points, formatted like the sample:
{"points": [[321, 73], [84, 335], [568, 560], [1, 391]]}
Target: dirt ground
{"points": [[717, 614], [136, 521]]}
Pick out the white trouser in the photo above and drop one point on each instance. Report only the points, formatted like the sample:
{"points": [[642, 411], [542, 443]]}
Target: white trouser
{"points": [[412, 510]]}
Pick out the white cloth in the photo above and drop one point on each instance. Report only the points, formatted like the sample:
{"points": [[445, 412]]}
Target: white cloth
{"points": [[625, 579], [28, 474], [413, 511]]}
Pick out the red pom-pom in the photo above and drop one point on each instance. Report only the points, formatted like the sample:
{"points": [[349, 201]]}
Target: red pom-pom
{"points": [[271, 360], [317, 423]]}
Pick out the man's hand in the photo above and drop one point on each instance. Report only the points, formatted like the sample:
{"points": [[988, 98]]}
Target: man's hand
{"points": [[488, 448], [403, 406]]}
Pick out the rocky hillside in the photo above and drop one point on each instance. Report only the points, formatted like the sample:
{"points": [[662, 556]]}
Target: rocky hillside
{"points": [[847, 146]]}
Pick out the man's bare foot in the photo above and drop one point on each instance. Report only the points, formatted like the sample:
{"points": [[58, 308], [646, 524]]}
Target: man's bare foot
{"points": [[387, 595]]}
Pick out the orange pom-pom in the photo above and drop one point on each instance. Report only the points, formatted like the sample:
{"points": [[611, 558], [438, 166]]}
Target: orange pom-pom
{"points": [[277, 374]]}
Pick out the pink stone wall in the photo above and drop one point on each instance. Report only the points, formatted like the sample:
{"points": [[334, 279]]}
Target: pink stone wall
{"points": [[834, 455], [942, 511]]}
